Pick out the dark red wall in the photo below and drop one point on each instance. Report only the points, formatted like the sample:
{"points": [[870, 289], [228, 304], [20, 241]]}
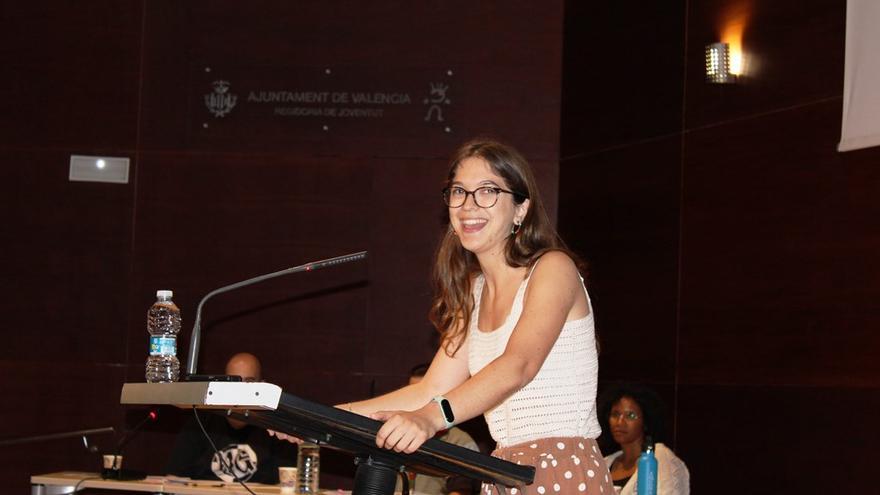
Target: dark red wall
{"points": [[733, 249], [731, 246], [206, 207]]}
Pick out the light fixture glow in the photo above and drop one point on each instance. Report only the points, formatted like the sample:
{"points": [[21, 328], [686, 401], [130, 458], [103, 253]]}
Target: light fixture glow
{"points": [[718, 64], [91, 168], [733, 35], [731, 28]]}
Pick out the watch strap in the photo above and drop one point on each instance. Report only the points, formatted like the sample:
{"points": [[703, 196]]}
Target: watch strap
{"points": [[445, 411]]}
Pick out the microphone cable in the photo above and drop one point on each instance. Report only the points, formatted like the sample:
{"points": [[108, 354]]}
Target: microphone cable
{"points": [[79, 483], [217, 452]]}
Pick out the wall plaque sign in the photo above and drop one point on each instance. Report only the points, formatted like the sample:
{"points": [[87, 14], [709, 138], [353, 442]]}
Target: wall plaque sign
{"points": [[268, 103]]}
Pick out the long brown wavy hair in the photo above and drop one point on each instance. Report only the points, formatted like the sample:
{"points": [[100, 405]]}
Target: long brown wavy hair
{"points": [[456, 267]]}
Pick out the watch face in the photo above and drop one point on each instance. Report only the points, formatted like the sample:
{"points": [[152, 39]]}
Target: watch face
{"points": [[447, 411]]}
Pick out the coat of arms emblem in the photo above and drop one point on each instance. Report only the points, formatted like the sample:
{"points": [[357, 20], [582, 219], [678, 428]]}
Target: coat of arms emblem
{"points": [[221, 101]]}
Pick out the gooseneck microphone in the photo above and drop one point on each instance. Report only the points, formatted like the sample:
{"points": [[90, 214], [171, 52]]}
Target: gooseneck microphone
{"points": [[114, 470], [153, 415], [195, 339], [58, 436]]}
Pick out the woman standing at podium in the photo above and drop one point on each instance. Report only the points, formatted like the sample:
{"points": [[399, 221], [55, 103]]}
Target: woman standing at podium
{"points": [[518, 340]]}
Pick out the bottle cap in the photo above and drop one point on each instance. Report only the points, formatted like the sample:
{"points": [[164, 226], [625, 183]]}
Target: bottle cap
{"points": [[164, 294]]}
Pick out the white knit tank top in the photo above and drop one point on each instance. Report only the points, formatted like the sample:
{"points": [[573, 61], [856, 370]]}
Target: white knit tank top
{"points": [[561, 400]]}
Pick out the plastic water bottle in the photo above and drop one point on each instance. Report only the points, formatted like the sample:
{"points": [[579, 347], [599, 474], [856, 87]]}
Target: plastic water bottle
{"points": [[646, 480], [308, 463], [163, 324]]}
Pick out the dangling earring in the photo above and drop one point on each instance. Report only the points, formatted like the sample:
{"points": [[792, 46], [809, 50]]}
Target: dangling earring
{"points": [[452, 231], [515, 228]]}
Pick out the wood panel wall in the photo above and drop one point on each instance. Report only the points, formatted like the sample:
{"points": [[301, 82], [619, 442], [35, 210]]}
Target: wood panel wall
{"points": [[82, 260], [733, 249]]}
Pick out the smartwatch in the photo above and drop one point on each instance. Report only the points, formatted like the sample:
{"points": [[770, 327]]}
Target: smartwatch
{"points": [[445, 410]]}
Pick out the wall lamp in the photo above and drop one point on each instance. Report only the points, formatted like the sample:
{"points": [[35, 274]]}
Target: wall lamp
{"points": [[113, 169], [724, 60], [718, 64]]}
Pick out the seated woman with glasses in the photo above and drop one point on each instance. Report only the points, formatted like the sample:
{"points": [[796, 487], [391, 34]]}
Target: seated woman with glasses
{"points": [[517, 336], [633, 416]]}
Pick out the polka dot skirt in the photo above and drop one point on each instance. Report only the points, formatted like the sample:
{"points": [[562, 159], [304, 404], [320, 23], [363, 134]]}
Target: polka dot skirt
{"points": [[562, 466]]}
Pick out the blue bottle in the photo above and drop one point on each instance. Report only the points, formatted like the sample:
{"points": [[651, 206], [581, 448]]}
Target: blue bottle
{"points": [[646, 481]]}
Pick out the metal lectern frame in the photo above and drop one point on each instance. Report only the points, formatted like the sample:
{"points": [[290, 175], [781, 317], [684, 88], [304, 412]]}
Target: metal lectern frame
{"points": [[265, 405]]}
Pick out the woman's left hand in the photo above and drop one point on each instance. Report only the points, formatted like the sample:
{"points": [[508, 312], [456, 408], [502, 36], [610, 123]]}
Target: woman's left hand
{"points": [[285, 436], [404, 431]]}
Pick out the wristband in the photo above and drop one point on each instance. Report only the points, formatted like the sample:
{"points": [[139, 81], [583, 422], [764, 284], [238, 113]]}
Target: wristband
{"points": [[445, 411]]}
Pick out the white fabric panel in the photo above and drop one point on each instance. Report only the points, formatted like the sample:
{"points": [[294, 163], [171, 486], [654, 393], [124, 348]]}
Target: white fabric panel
{"points": [[861, 84]]}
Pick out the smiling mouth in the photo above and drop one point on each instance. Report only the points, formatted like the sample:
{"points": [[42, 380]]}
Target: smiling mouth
{"points": [[473, 225]]}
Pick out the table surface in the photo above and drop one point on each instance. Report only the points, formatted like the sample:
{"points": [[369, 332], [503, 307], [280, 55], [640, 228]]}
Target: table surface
{"points": [[159, 484]]}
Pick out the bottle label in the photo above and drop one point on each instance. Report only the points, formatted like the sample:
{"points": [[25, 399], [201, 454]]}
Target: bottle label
{"points": [[163, 346]]}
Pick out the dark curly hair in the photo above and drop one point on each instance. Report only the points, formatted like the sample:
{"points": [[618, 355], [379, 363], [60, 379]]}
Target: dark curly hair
{"points": [[653, 412]]}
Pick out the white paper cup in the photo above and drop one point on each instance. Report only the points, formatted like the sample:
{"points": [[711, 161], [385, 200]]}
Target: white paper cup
{"points": [[287, 478], [112, 462]]}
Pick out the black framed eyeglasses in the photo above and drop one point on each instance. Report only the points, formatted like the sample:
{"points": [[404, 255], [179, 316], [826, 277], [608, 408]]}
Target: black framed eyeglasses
{"points": [[484, 197]]}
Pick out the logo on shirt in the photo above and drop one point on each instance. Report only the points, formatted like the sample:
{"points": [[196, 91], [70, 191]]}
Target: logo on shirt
{"points": [[239, 461]]}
